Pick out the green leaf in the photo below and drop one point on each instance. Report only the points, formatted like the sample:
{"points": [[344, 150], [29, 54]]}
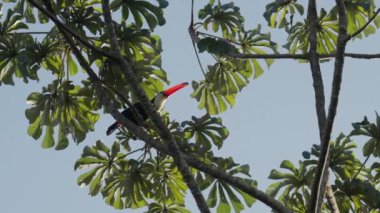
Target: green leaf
{"points": [[35, 129], [298, 39], [223, 206], [215, 46], [140, 10], [206, 130], [61, 104], [48, 140], [277, 13], [224, 17], [72, 67], [358, 13], [211, 99], [287, 165]]}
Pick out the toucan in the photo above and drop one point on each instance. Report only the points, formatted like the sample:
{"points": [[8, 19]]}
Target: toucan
{"points": [[158, 103]]}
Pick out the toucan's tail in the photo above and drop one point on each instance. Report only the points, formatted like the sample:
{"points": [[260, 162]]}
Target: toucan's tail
{"points": [[112, 128]]}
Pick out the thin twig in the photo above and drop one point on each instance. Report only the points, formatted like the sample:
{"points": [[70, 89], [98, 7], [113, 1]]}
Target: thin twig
{"points": [[302, 56], [361, 167], [218, 37], [30, 33], [194, 39]]}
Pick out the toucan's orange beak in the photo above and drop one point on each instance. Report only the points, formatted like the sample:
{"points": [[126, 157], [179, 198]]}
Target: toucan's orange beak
{"points": [[173, 89]]}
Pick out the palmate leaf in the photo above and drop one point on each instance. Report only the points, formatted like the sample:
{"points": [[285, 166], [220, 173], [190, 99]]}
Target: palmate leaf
{"points": [[100, 162], [255, 42], [360, 190], [12, 23], [151, 74], [26, 9], [358, 12], [206, 131], [298, 39], [168, 184], [297, 202], [222, 195], [82, 16], [128, 187], [136, 42], [277, 13], [212, 100], [343, 162], [167, 208], [224, 17], [215, 46], [298, 180], [228, 76], [371, 130], [148, 70], [71, 107], [140, 10], [48, 54], [14, 59]]}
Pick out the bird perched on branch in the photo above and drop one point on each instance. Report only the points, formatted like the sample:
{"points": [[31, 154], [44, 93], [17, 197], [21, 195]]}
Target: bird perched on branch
{"points": [[158, 103]]}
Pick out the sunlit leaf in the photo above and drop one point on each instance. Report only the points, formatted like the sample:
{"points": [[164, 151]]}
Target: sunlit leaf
{"points": [[298, 39], [71, 107], [280, 13]]}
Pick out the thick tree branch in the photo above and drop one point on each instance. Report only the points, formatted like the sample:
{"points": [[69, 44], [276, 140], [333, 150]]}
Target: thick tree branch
{"points": [[302, 56], [364, 26], [213, 171], [323, 162], [157, 120], [316, 199]]}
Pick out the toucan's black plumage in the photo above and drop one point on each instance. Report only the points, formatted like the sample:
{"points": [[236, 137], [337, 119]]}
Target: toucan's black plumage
{"points": [[158, 103]]}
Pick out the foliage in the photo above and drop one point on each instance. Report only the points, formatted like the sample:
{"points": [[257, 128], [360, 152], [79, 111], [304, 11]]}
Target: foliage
{"points": [[276, 12], [371, 130], [357, 14], [61, 103], [296, 185], [128, 175], [298, 39], [222, 195], [355, 187], [205, 131], [226, 17]]}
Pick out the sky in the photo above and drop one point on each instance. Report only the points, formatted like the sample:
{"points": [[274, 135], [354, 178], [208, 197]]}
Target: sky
{"points": [[273, 119]]}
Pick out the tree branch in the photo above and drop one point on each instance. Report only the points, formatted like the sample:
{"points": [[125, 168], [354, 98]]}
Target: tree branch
{"points": [[157, 120], [68, 29], [323, 162], [331, 198], [302, 56], [213, 171], [194, 40], [363, 27], [318, 90]]}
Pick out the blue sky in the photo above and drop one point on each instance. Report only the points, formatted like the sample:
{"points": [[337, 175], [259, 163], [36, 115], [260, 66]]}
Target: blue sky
{"points": [[273, 119]]}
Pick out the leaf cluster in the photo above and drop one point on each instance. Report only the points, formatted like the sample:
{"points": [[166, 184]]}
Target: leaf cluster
{"points": [[354, 185]]}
